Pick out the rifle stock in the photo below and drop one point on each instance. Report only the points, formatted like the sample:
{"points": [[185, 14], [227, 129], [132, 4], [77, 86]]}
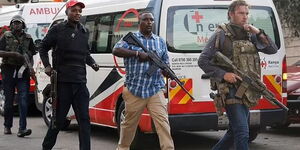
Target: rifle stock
{"points": [[53, 95], [255, 83], [157, 62]]}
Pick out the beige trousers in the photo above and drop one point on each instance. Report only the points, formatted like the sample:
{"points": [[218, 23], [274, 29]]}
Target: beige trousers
{"points": [[134, 107]]}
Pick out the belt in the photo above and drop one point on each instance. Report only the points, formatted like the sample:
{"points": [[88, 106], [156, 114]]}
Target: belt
{"points": [[233, 101]]}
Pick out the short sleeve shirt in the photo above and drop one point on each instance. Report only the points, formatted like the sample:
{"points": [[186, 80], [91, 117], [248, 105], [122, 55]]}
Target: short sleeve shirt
{"points": [[137, 81]]}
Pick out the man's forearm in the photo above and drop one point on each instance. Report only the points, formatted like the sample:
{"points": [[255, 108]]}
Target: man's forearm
{"points": [[122, 52], [45, 59], [89, 60], [8, 54], [3, 54]]}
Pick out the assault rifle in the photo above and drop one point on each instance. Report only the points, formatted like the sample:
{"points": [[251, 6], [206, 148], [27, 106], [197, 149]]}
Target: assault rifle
{"points": [[53, 94], [250, 81], [156, 61]]}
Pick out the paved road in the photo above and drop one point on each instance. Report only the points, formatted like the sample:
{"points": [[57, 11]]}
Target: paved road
{"points": [[106, 138]]}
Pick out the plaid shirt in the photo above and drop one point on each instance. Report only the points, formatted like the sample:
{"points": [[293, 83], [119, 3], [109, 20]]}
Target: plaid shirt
{"points": [[137, 82]]}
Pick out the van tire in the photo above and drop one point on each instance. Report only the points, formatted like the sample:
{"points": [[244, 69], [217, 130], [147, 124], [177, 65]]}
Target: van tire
{"points": [[2, 101], [47, 113], [137, 141], [253, 133]]}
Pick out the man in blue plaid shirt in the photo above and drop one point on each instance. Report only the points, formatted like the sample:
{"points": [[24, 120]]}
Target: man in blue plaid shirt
{"points": [[142, 90]]}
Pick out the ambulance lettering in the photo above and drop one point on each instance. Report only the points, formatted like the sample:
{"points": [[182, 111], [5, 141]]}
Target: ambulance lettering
{"points": [[43, 11]]}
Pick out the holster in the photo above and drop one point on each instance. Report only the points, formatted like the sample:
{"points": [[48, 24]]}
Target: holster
{"points": [[219, 98], [219, 104]]}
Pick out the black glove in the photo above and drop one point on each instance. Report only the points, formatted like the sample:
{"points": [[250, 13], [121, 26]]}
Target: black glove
{"points": [[95, 67]]}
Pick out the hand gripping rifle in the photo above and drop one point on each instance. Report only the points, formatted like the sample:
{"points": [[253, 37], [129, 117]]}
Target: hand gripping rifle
{"points": [[53, 95], [249, 81], [29, 65], [156, 61]]}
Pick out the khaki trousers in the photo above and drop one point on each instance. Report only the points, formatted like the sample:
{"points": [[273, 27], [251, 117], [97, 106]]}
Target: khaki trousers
{"points": [[134, 107]]}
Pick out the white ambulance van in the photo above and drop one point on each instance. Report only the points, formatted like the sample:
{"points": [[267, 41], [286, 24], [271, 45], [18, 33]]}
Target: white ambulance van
{"points": [[38, 17], [186, 25]]}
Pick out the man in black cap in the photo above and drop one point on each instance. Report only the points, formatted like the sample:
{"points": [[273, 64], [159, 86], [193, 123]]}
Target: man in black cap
{"points": [[14, 45], [69, 41]]}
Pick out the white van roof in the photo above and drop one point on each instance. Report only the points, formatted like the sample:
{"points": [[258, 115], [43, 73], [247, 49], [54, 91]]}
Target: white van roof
{"points": [[6, 13], [40, 12], [31, 12], [92, 6], [105, 6], [218, 2]]}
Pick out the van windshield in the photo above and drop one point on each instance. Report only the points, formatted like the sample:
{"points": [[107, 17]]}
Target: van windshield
{"points": [[190, 27], [37, 31]]}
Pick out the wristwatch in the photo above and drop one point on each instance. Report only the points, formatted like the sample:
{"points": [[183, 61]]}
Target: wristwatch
{"points": [[261, 31]]}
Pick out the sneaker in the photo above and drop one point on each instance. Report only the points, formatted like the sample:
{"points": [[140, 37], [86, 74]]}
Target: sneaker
{"points": [[7, 130], [23, 133]]}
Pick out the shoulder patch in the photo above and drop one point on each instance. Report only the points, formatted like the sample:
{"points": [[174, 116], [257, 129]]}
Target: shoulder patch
{"points": [[83, 28], [28, 36], [222, 27]]}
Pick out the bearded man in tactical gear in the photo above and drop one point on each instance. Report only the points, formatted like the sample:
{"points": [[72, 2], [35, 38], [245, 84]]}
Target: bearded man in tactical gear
{"points": [[16, 47], [240, 42]]}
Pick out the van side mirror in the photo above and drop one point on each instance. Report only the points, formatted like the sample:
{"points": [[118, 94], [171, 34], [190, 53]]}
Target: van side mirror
{"points": [[37, 43]]}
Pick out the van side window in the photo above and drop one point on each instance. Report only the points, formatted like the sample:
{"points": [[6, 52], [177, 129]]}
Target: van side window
{"points": [[90, 25], [99, 27], [103, 33], [106, 30], [123, 25], [190, 27]]}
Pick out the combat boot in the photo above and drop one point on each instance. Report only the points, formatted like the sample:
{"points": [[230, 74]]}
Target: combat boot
{"points": [[23, 133], [7, 130]]}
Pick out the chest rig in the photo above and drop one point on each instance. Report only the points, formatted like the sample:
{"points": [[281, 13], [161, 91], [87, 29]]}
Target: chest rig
{"points": [[244, 55], [16, 44]]}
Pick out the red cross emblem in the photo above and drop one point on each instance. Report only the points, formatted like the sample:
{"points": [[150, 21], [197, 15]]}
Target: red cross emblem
{"points": [[45, 30], [197, 17], [263, 64]]}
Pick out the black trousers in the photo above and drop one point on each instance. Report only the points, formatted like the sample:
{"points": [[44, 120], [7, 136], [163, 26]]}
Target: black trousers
{"points": [[10, 84], [77, 95]]}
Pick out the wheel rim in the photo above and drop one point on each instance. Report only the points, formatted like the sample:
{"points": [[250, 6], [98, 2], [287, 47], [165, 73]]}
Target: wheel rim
{"points": [[48, 109], [2, 100], [122, 116]]}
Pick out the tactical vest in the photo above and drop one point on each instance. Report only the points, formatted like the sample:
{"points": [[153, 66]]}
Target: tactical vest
{"points": [[14, 44], [245, 57]]}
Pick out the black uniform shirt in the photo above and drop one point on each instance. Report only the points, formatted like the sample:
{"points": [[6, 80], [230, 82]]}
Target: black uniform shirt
{"points": [[70, 52]]}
